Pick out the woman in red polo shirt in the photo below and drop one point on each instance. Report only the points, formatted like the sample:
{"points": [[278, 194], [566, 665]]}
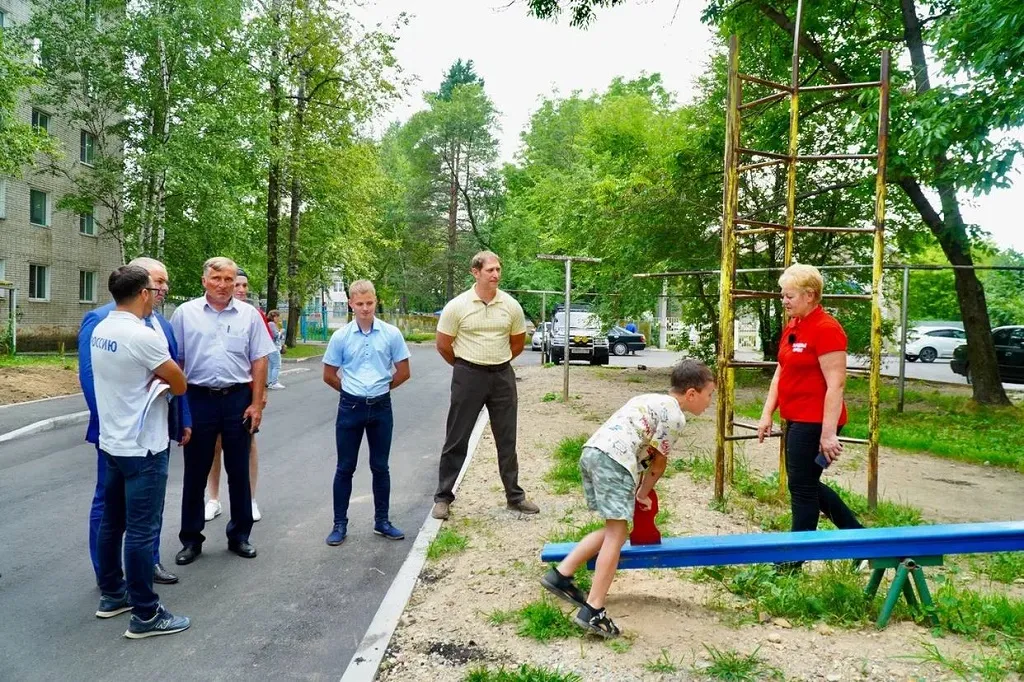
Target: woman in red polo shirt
{"points": [[808, 390]]}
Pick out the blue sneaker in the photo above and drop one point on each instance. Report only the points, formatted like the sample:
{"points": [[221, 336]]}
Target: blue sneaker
{"points": [[386, 530], [111, 606], [163, 622], [337, 535]]}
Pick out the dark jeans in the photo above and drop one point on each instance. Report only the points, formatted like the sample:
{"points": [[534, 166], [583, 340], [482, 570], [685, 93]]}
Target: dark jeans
{"points": [[96, 515], [134, 496], [473, 388], [808, 495], [213, 415], [356, 416]]}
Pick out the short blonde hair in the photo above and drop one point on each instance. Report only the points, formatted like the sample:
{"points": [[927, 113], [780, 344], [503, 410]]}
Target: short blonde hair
{"points": [[219, 263], [480, 260], [803, 276], [361, 286]]}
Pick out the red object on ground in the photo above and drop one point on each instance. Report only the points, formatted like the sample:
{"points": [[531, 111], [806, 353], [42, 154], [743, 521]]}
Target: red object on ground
{"points": [[644, 531]]}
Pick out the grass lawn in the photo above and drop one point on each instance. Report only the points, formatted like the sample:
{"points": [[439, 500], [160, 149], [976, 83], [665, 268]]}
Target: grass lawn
{"points": [[42, 360], [942, 422], [305, 350]]}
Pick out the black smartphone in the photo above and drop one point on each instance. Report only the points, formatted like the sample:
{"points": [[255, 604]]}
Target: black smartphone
{"points": [[247, 425]]}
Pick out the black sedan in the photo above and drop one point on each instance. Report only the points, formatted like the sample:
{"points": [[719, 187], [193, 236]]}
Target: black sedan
{"points": [[621, 341], [1009, 343]]}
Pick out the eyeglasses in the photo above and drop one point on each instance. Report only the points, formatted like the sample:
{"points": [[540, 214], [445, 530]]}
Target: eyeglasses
{"points": [[155, 289]]}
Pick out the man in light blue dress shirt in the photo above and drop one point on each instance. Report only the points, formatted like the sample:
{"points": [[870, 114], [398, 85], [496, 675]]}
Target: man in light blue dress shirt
{"points": [[365, 360]]}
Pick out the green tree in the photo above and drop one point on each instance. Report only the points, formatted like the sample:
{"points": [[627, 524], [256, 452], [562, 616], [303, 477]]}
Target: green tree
{"points": [[19, 142]]}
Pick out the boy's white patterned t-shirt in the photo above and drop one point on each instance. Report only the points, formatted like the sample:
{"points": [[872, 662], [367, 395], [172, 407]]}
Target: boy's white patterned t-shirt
{"points": [[650, 420]]}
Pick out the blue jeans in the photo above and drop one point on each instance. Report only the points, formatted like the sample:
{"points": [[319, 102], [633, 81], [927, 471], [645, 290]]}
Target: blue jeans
{"points": [[134, 497], [357, 415], [96, 515], [275, 367]]}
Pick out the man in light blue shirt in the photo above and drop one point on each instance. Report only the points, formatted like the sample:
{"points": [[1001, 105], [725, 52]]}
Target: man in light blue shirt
{"points": [[365, 360]]}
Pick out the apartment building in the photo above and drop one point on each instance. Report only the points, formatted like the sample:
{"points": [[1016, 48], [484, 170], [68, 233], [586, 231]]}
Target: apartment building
{"points": [[57, 259]]}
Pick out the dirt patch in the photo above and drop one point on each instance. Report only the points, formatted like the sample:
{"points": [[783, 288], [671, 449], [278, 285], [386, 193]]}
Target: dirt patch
{"points": [[665, 615], [20, 384]]}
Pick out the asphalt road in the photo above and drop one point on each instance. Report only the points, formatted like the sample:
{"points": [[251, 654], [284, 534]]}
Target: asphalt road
{"points": [[297, 611]]}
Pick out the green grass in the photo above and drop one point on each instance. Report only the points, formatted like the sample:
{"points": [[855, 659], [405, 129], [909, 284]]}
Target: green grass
{"points": [[305, 350], [543, 621], [549, 397], [943, 423], [524, 673], [66, 361], [663, 664], [419, 337], [732, 666], [1003, 567], [447, 542], [500, 617], [992, 667], [564, 475]]}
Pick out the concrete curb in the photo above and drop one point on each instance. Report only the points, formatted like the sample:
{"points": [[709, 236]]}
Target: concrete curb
{"points": [[40, 400], [370, 652], [46, 425]]}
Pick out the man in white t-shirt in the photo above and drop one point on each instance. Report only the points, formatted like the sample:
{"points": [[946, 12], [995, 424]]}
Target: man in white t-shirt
{"points": [[133, 376]]}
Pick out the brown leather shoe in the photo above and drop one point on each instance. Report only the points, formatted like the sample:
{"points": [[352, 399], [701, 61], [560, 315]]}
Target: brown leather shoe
{"points": [[441, 510], [524, 506]]}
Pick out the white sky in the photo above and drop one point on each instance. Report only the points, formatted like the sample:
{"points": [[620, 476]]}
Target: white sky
{"points": [[523, 59]]}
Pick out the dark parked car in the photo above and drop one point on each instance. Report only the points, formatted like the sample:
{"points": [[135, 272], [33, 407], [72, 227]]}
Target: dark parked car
{"points": [[1009, 342], [622, 342]]}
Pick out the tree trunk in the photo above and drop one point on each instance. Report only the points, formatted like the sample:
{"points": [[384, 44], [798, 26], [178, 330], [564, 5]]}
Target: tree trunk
{"points": [[294, 294], [453, 235], [274, 172]]}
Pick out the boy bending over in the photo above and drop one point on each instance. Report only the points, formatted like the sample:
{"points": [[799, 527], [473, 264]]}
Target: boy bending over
{"points": [[622, 461]]}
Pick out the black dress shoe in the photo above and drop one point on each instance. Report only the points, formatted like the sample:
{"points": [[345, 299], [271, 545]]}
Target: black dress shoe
{"points": [[242, 549], [163, 576], [188, 554]]}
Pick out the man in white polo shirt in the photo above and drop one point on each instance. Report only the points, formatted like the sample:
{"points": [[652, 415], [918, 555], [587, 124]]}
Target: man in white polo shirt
{"points": [[134, 376]]}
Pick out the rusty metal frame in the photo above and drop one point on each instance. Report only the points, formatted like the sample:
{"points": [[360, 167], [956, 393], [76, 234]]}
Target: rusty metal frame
{"points": [[729, 293]]}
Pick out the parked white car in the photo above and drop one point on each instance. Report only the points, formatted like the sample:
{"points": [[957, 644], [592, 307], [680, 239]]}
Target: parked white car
{"points": [[927, 344], [537, 341]]}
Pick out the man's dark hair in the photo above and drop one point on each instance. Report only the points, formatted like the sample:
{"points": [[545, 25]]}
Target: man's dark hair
{"points": [[127, 282], [690, 373]]}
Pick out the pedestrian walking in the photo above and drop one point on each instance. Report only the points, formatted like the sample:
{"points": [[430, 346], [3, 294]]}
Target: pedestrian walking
{"points": [[132, 375], [365, 360], [223, 347], [479, 333]]}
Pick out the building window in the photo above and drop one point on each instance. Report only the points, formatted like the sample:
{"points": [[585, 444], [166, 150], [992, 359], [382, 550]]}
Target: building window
{"points": [[3, 199], [87, 224], [86, 287], [37, 52], [39, 208], [40, 121], [3, 18], [88, 148], [3, 277], [38, 283]]}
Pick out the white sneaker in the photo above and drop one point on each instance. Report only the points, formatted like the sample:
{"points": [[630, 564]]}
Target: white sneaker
{"points": [[276, 386], [212, 510], [256, 516]]}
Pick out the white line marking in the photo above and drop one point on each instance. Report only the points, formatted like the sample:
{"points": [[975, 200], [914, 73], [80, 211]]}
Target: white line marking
{"points": [[295, 370], [370, 652], [41, 400], [46, 425]]}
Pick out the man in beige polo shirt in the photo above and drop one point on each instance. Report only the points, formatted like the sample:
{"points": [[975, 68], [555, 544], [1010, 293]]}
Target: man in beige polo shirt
{"points": [[479, 333]]}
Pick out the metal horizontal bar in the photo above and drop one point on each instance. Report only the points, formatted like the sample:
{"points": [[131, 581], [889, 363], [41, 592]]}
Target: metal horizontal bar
{"points": [[853, 543], [762, 81], [848, 297], [763, 100], [847, 230], [891, 266], [753, 436], [755, 152], [583, 259], [840, 86], [745, 425], [836, 157], [762, 164], [854, 441], [751, 364], [756, 230], [759, 223], [750, 293]]}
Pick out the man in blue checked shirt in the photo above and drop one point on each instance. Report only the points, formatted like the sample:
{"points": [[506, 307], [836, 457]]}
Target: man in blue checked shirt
{"points": [[365, 360]]}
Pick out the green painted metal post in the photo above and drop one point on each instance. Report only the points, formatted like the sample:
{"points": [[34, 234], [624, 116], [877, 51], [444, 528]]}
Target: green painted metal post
{"points": [[926, 596], [908, 590], [894, 594], [876, 579]]}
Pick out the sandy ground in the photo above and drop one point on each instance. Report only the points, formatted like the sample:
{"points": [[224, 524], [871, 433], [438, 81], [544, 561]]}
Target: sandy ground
{"points": [[20, 384], [445, 630]]}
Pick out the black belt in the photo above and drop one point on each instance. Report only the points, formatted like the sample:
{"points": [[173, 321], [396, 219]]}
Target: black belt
{"points": [[483, 368], [217, 390], [365, 399]]}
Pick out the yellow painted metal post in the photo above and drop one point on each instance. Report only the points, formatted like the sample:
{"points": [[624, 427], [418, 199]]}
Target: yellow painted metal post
{"points": [[874, 416], [726, 315]]}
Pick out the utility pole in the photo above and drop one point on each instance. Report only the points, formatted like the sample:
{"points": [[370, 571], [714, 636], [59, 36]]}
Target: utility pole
{"points": [[568, 260]]}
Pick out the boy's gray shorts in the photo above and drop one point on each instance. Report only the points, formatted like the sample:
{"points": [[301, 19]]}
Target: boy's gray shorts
{"points": [[607, 485]]}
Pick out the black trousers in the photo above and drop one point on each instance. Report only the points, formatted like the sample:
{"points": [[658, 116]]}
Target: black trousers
{"points": [[217, 415], [474, 388], [808, 495]]}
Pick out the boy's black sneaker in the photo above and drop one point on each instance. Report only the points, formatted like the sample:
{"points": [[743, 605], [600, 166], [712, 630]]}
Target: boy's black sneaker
{"points": [[563, 588], [596, 621]]}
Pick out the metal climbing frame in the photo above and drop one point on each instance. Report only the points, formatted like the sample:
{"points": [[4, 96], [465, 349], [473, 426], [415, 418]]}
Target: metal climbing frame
{"points": [[734, 153]]}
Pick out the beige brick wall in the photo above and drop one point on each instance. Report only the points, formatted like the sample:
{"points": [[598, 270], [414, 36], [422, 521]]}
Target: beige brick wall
{"points": [[58, 246]]}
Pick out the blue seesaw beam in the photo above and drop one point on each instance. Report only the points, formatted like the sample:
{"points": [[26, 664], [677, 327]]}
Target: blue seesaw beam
{"points": [[863, 543]]}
